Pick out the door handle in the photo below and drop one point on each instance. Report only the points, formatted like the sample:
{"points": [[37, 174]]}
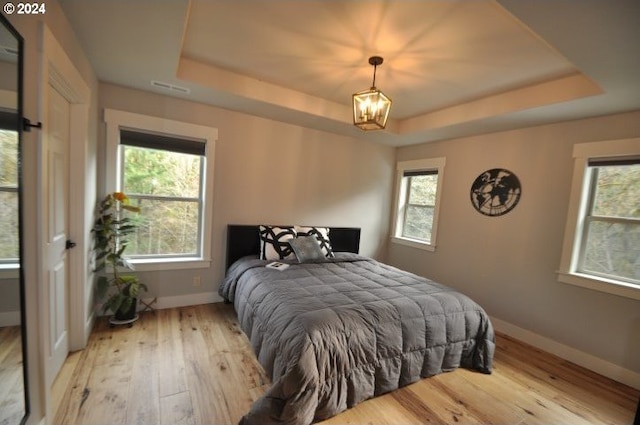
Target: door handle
{"points": [[69, 244]]}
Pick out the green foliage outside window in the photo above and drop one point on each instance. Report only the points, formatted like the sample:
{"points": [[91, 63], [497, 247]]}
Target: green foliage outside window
{"points": [[420, 206], [612, 233], [618, 191], [166, 186]]}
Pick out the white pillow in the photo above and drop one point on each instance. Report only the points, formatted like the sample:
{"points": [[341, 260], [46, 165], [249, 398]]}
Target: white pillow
{"points": [[274, 242]]}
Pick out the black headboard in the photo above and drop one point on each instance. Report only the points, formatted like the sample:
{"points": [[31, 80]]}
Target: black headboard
{"points": [[243, 240]]}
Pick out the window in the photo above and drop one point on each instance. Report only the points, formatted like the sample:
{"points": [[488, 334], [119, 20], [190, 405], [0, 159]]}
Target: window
{"points": [[420, 192], [163, 176], [416, 214], [166, 168], [611, 232], [9, 233], [602, 240]]}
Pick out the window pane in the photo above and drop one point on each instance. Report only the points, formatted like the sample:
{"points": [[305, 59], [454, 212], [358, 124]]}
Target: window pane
{"points": [[423, 189], [161, 173], [419, 209], [9, 226], [8, 158], [9, 196], [617, 192], [418, 222], [613, 249], [164, 228]]}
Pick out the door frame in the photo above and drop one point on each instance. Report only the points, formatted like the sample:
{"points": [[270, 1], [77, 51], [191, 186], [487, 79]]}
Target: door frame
{"points": [[57, 70]]}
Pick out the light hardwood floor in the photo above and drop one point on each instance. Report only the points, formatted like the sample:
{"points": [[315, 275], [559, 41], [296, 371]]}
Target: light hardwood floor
{"points": [[193, 365], [11, 378]]}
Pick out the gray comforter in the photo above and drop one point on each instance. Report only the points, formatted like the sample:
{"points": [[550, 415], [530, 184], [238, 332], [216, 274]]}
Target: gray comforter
{"points": [[335, 333]]}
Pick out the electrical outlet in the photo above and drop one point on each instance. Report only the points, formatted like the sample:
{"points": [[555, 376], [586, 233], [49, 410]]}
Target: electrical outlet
{"points": [[196, 281]]}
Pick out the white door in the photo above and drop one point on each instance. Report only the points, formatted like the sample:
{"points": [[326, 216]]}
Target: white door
{"points": [[57, 184]]}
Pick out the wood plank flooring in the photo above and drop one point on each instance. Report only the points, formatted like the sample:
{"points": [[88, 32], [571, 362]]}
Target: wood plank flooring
{"points": [[11, 378], [193, 365]]}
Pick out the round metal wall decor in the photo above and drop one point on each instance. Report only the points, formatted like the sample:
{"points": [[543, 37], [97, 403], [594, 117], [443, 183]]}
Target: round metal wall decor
{"points": [[495, 192]]}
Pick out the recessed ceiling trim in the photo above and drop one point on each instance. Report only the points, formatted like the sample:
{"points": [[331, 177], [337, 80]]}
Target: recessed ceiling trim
{"points": [[261, 91], [170, 87], [568, 88]]}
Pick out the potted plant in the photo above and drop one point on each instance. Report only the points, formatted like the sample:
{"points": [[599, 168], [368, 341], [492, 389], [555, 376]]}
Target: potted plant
{"points": [[111, 230]]}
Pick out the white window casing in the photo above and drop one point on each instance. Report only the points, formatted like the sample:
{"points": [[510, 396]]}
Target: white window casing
{"points": [[115, 121], [428, 164], [576, 215]]}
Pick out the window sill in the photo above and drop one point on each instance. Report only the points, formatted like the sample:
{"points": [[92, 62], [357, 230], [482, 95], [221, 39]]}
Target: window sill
{"points": [[9, 271], [414, 243], [170, 264], [609, 286]]}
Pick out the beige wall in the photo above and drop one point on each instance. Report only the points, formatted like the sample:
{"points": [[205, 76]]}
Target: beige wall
{"points": [[271, 172], [509, 263]]}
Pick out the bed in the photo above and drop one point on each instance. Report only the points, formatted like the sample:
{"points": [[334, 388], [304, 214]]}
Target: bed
{"points": [[336, 331]]}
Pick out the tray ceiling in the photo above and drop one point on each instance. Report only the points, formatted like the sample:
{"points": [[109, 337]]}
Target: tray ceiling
{"points": [[451, 68]]}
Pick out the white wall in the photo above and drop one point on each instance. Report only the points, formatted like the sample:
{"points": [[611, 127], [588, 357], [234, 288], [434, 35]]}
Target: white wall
{"points": [[509, 263], [271, 172]]}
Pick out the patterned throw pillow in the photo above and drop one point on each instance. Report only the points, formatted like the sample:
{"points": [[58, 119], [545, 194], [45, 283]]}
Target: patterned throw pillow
{"points": [[322, 234], [307, 248], [274, 242]]}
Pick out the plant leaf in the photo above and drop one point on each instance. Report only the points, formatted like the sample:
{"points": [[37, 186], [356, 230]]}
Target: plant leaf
{"points": [[125, 305]]}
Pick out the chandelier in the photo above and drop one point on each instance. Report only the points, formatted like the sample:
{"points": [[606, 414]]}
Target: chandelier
{"points": [[371, 107]]}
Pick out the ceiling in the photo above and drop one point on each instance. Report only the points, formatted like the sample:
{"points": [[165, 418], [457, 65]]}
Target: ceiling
{"points": [[452, 68]]}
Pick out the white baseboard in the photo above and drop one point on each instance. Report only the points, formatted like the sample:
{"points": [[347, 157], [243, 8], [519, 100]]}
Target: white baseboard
{"points": [[185, 300], [88, 325], [171, 302], [9, 318], [596, 364]]}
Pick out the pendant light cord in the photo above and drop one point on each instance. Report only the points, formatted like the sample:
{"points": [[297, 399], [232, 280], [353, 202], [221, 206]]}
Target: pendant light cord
{"points": [[374, 76]]}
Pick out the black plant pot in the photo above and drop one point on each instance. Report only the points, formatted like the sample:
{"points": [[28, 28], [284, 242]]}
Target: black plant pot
{"points": [[128, 315], [125, 317]]}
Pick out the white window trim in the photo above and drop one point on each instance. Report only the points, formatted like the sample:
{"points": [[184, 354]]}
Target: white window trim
{"points": [[400, 201], [115, 120], [577, 207]]}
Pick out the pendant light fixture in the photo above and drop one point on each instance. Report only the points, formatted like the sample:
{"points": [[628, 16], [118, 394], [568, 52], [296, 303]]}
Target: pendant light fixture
{"points": [[371, 107]]}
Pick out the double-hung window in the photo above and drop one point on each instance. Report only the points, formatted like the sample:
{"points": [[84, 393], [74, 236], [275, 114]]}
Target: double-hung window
{"points": [[418, 199], [166, 168], [602, 239], [164, 177], [9, 237]]}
